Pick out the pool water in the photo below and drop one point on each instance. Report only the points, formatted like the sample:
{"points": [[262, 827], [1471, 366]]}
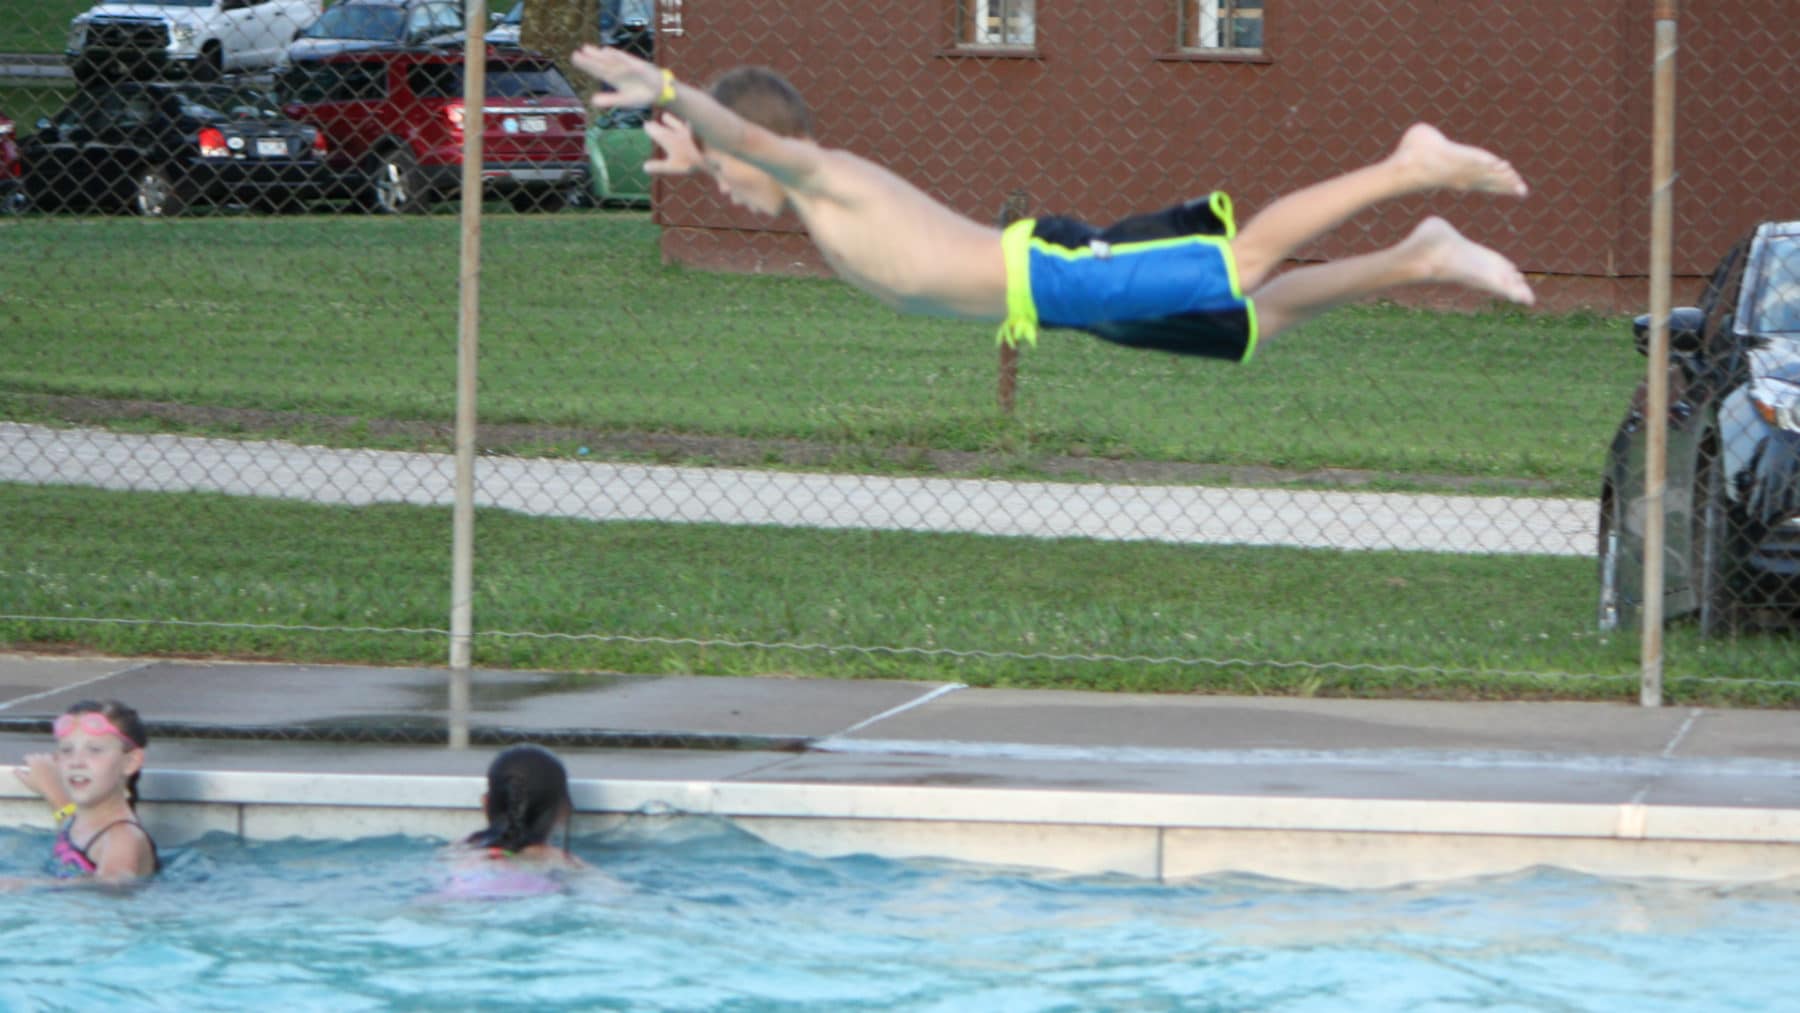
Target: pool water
{"points": [[694, 915]]}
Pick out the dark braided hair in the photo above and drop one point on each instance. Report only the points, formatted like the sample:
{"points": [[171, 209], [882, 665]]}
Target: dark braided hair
{"points": [[527, 795], [126, 720]]}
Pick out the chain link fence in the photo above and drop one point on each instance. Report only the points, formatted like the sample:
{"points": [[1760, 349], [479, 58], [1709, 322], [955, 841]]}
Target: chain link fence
{"points": [[229, 323]]}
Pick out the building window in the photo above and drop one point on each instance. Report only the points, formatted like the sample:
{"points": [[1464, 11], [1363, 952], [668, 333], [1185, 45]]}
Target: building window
{"points": [[1010, 23], [1222, 24]]}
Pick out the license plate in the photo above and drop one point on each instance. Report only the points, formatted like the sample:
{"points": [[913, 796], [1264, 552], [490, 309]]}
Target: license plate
{"points": [[533, 124], [271, 147]]}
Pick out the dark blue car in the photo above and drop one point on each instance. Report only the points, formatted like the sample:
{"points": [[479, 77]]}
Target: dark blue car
{"points": [[353, 25]]}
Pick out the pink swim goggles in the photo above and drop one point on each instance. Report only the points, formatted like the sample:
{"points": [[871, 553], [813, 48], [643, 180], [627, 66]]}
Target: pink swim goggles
{"points": [[91, 722]]}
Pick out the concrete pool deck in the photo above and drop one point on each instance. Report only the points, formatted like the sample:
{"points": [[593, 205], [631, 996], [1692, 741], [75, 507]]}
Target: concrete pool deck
{"points": [[1349, 792]]}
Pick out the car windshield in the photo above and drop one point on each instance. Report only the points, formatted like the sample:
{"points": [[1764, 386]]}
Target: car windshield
{"points": [[504, 80], [514, 16], [358, 21], [334, 81], [614, 13], [1777, 308], [634, 11], [226, 102]]}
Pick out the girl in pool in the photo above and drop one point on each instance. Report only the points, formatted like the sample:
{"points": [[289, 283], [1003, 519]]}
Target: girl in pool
{"points": [[527, 801], [91, 785]]}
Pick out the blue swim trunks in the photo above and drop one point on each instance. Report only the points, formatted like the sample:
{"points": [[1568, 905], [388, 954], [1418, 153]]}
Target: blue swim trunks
{"points": [[1165, 280]]}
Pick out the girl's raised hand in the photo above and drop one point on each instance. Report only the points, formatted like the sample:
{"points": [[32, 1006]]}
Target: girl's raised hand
{"points": [[39, 774], [680, 155]]}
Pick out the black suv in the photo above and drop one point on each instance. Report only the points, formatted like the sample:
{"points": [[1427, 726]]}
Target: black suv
{"points": [[155, 147]]}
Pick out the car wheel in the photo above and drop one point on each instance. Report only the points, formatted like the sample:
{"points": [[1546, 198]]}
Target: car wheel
{"points": [[540, 200], [1720, 612], [211, 64], [39, 196], [395, 186], [154, 194], [1613, 612]]}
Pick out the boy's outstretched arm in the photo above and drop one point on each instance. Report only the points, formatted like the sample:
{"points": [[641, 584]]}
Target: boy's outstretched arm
{"points": [[636, 82]]}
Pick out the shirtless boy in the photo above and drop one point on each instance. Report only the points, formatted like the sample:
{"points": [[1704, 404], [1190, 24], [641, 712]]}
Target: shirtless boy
{"points": [[1184, 280]]}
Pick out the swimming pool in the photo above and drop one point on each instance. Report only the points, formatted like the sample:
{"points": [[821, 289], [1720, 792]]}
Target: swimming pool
{"points": [[697, 915]]}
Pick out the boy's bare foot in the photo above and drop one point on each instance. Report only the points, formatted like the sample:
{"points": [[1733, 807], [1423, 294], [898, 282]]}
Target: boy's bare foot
{"points": [[1446, 255], [1439, 162]]}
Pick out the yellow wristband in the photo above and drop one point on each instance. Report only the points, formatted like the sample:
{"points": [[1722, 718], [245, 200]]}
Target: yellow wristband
{"points": [[668, 89], [58, 815]]}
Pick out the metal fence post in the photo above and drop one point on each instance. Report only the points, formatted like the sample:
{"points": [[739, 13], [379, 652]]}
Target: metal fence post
{"points": [[1657, 396], [462, 567]]}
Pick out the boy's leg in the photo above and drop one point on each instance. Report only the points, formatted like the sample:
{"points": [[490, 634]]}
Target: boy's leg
{"points": [[1424, 160], [1434, 252]]}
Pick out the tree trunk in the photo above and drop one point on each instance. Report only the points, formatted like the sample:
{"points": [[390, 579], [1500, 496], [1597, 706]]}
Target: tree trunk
{"points": [[556, 27]]}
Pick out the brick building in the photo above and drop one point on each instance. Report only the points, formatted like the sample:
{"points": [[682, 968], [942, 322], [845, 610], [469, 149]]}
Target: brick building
{"points": [[1103, 107]]}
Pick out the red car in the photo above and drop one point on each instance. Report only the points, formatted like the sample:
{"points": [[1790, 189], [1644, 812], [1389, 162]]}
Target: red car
{"points": [[395, 118], [10, 171]]}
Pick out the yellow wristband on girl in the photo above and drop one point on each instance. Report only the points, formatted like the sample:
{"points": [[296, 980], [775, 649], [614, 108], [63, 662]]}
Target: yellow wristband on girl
{"points": [[667, 94], [66, 812]]}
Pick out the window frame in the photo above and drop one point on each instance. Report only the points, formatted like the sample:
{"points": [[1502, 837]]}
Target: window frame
{"points": [[1188, 16], [965, 32]]}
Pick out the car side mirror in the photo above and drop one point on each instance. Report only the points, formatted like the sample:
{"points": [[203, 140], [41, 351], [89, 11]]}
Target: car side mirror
{"points": [[1685, 324]]}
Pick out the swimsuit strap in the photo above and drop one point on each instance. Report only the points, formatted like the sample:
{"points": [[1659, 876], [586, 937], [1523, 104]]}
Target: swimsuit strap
{"points": [[82, 850], [67, 855]]}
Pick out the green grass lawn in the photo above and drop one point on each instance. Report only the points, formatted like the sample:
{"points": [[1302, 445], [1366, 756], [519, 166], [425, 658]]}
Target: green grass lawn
{"points": [[986, 611], [347, 323], [582, 325], [25, 104], [41, 26]]}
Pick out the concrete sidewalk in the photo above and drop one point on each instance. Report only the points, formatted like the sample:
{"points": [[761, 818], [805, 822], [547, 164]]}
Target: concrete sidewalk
{"points": [[603, 491], [916, 753]]}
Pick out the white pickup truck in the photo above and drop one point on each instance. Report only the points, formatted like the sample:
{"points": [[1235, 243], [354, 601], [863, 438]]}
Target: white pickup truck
{"points": [[201, 38]]}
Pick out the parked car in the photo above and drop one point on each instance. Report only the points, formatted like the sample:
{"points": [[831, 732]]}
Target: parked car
{"points": [[155, 147], [626, 24], [395, 122], [1732, 500], [505, 30], [375, 24], [617, 148], [202, 39], [11, 196]]}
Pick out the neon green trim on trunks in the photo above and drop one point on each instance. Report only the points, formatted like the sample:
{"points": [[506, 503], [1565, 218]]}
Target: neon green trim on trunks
{"points": [[1021, 322], [1220, 202], [1250, 314]]}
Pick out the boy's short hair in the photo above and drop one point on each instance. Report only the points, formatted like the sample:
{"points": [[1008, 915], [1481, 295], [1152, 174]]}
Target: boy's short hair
{"points": [[766, 99]]}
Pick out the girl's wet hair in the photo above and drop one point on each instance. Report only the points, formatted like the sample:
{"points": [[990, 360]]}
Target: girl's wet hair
{"points": [[527, 795], [126, 720]]}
